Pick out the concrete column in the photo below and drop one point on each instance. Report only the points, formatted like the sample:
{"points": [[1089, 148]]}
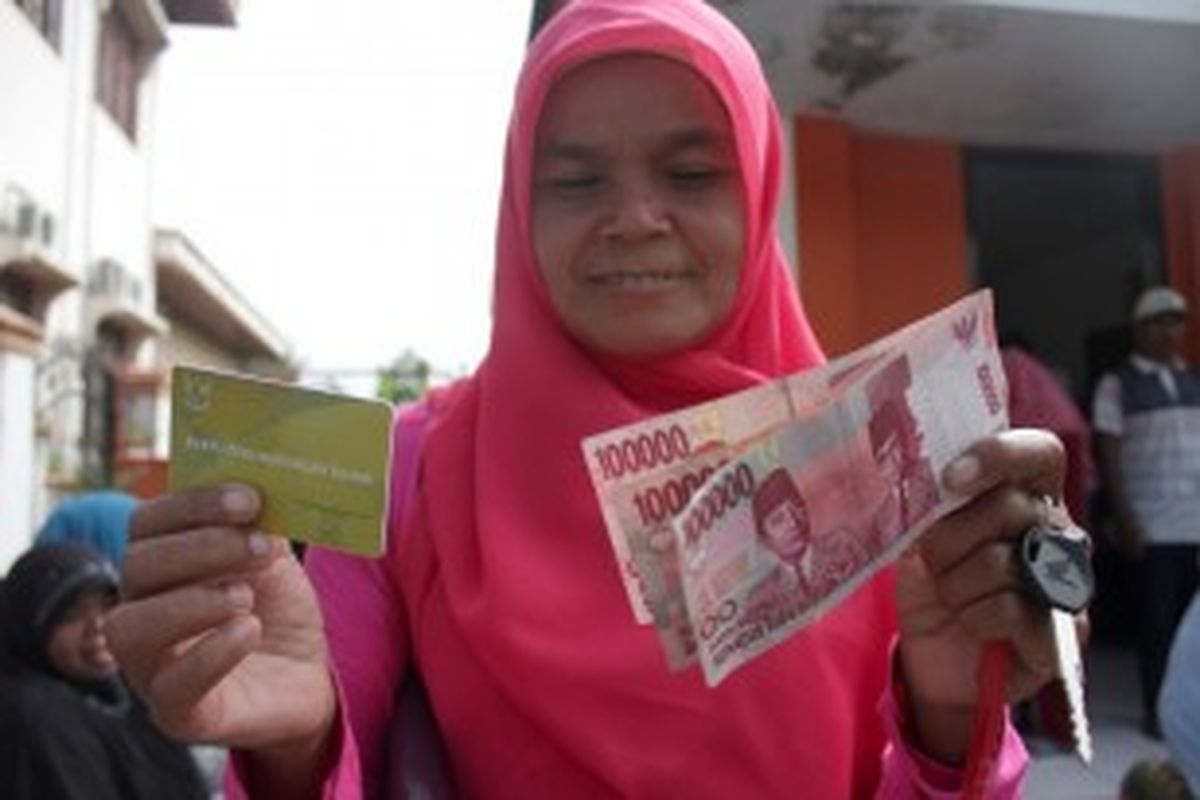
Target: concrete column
{"points": [[16, 454]]}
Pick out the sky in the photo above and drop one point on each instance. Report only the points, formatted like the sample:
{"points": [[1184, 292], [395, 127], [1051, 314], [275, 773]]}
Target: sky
{"points": [[342, 170]]}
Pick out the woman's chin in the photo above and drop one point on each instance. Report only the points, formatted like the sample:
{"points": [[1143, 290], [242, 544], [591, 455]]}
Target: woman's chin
{"points": [[643, 340]]}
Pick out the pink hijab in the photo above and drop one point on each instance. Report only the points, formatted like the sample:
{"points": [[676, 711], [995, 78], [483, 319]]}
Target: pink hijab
{"points": [[766, 334], [504, 502]]}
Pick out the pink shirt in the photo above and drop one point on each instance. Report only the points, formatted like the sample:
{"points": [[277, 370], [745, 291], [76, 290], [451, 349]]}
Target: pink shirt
{"points": [[833, 731]]}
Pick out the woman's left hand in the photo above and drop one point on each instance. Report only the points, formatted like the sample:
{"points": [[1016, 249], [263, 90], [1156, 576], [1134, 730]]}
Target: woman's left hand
{"points": [[961, 588]]}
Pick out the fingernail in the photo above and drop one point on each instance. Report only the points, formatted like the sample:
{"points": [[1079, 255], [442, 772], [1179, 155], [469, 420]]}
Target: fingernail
{"points": [[237, 500], [962, 472], [259, 544]]}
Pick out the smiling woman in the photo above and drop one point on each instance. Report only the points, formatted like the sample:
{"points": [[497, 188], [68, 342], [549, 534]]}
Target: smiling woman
{"points": [[638, 271], [638, 215], [69, 728]]}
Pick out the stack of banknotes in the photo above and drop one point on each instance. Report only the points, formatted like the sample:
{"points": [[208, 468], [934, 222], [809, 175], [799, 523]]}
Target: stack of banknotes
{"points": [[741, 520]]}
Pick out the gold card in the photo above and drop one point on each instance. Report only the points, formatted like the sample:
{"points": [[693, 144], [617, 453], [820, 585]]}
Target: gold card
{"points": [[319, 460]]}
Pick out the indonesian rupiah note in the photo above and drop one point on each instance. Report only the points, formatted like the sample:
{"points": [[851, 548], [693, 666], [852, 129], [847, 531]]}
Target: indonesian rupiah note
{"points": [[796, 522], [645, 473], [866, 436]]}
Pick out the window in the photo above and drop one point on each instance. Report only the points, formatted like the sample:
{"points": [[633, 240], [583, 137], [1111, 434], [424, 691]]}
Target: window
{"points": [[46, 16], [137, 414], [16, 292], [119, 70]]}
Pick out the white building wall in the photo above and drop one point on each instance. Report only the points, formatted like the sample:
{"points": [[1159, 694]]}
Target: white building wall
{"points": [[60, 383], [61, 147], [16, 455], [34, 118], [35, 140], [120, 204]]}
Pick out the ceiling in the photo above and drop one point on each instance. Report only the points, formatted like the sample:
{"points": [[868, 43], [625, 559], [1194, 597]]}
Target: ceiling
{"points": [[1048, 74]]}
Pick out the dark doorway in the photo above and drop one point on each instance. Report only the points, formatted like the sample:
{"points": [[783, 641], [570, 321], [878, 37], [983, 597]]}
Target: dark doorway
{"points": [[1066, 241]]}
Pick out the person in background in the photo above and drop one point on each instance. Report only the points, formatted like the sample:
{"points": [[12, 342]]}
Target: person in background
{"points": [[99, 519], [1154, 780], [638, 271], [1146, 415], [1038, 399], [1179, 700], [69, 728]]}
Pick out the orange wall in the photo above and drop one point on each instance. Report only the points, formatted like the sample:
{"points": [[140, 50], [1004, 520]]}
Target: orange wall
{"points": [[143, 478], [1181, 218], [882, 230]]}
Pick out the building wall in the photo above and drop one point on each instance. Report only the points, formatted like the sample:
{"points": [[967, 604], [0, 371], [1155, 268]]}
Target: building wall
{"points": [[33, 112], [16, 455], [61, 147], [120, 218], [1181, 212], [882, 230], [186, 345]]}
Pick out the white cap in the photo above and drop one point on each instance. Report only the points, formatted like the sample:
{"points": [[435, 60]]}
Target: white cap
{"points": [[1158, 300]]}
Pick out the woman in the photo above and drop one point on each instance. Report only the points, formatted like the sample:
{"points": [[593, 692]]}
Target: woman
{"points": [[638, 271], [69, 728]]}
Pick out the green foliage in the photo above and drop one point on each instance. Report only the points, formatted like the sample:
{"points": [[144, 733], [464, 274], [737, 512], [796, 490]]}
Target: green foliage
{"points": [[404, 380]]}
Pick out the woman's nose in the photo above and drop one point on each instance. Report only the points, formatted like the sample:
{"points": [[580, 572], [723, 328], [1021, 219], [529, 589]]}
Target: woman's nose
{"points": [[637, 213], [95, 624]]}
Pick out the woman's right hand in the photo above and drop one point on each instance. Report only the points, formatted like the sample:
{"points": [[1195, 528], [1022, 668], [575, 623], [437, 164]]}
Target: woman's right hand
{"points": [[219, 630]]}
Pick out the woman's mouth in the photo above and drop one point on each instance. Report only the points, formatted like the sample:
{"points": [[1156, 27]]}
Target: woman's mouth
{"points": [[641, 280]]}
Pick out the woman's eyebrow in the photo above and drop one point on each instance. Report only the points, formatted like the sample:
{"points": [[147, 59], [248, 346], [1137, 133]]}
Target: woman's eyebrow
{"points": [[699, 137], [567, 150]]}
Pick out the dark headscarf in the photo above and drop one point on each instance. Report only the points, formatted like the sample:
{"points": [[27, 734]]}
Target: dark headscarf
{"points": [[40, 587], [67, 739]]}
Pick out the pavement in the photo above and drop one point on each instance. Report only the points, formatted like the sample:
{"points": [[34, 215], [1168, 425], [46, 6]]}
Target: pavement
{"points": [[1115, 712]]}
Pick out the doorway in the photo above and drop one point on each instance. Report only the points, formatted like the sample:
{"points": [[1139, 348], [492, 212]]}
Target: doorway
{"points": [[1066, 241]]}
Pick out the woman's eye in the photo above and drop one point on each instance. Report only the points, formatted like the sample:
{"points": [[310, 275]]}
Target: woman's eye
{"points": [[573, 181], [695, 175]]}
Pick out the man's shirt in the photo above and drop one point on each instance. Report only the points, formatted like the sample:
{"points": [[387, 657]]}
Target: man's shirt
{"points": [[1154, 409]]}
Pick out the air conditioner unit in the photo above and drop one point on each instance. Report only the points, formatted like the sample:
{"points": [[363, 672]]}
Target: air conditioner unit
{"points": [[34, 225], [110, 280]]}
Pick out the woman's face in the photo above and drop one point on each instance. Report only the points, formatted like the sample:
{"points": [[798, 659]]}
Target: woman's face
{"points": [[77, 647], [637, 205]]}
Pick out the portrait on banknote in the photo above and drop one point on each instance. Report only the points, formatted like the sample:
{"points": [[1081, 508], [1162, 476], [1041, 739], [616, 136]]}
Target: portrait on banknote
{"points": [[896, 446], [784, 527]]}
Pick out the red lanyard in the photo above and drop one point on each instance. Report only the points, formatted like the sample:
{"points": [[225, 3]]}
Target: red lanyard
{"points": [[987, 733]]}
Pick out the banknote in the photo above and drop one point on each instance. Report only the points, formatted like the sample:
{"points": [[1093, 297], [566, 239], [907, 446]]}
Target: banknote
{"points": [[645, 473], [797, 521]]}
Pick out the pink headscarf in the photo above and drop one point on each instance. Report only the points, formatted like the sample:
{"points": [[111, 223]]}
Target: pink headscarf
{"points": [[766, 334], [504, 500]]}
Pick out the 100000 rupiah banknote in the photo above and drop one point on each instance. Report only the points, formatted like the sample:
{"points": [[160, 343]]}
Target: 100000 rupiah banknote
{"points": [[794, 523], [644, 474]]}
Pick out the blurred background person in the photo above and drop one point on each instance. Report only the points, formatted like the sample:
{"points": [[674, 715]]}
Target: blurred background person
{"points": [[98, 519], [1146, 414], [1037, 398], [1179, 701], [1154, 780], [69, 728]]}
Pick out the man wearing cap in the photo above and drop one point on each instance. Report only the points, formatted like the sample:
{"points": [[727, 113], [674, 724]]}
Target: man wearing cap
{"points": [[1146, 414]]}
